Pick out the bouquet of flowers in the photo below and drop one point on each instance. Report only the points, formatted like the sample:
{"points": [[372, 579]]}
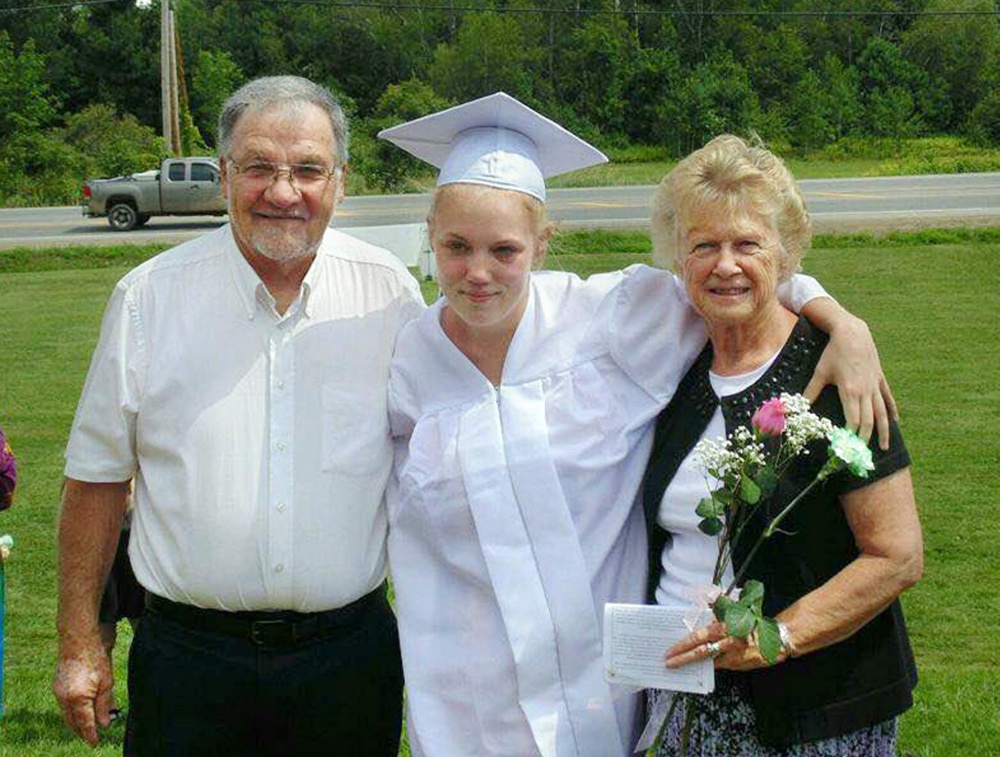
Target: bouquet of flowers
{"points": [[747, 467]]}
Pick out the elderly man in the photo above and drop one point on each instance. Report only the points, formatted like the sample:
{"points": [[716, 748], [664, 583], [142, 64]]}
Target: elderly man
{"points": [[240, 379]]}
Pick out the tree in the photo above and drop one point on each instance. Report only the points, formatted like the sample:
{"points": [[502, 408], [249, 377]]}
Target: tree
{"points": [[984, 121], [842, 93], [115, 59], [887, 82], [26, 104], [381, 162], [489, 55], [717, 98], [214, 77], [955, 52], [651, 95], [113, 144], [776, 61], [596, 69], [808, 125], [26, 108]]}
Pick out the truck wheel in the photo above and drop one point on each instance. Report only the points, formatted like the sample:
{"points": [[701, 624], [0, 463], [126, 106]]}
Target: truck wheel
{"points": [[141, 219], [122, 217]]}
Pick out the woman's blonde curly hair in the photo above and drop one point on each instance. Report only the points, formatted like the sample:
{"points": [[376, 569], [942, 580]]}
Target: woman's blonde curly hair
{"points": [[730, 176]]}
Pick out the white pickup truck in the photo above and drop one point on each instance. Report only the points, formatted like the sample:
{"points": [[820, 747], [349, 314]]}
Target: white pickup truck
{"points": [[181, 187]]}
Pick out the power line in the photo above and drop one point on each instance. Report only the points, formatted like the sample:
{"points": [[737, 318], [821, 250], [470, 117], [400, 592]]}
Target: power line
{"points": [[638, 11], [57, 5]]}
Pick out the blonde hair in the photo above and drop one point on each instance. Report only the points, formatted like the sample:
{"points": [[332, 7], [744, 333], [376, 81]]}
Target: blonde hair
{"points": [[542, 227], [727, 175]]}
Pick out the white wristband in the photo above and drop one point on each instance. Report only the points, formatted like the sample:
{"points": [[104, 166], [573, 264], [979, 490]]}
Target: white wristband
{"points": [[787, 646]]}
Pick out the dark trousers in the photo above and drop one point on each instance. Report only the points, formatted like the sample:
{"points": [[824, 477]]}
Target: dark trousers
{"points": [[193, 692]]}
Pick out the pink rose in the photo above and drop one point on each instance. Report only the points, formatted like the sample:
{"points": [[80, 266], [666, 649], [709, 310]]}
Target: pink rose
{"points": [[770, 418]]}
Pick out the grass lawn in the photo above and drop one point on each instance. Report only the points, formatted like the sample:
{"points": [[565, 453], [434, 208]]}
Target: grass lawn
{"points": [[917, 293]]}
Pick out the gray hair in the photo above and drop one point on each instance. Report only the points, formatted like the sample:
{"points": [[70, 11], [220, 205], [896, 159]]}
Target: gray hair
{"points": [[282, 91]]}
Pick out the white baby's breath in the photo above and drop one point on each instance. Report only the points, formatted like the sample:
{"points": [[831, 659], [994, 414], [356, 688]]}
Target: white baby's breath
{"points": [[715, 456], [801, 424]]}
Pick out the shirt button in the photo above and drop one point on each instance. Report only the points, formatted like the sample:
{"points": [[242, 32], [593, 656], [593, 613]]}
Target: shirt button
{"points": [[281, 507], [281, 384], [280, 446], [278, 568]]}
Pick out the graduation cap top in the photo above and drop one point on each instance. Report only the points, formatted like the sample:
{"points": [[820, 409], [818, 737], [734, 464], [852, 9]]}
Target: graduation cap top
{"points": [[496, 141]]}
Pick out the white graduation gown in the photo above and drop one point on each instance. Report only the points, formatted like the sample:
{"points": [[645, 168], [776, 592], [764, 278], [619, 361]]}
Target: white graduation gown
{"points": [[512, 513]]}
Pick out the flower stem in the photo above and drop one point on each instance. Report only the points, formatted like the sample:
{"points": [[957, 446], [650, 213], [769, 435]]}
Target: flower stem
{"points": [[832, 465]]}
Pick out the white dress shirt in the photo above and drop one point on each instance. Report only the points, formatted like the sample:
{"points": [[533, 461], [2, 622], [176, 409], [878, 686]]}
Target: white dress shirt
{"points": [[513, 514], [259, 442]]}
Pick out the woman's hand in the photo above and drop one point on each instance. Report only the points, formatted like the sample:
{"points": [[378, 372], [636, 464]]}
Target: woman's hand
{"points": [[730, 652], [851, 362]]}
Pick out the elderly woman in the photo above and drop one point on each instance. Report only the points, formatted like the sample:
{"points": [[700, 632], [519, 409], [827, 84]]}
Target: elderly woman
{"points": [[522, 405], [734, 224]]}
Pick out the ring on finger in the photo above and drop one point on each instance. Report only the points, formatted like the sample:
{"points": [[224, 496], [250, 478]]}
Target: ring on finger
{"points": [[713, 648]]}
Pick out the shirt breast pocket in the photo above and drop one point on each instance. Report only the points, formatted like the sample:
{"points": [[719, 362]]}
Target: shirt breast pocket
{"points": [[355, 430]]}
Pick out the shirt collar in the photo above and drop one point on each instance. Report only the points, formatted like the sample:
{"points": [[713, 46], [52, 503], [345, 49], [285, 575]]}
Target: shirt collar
{"points": [[245, 278]]}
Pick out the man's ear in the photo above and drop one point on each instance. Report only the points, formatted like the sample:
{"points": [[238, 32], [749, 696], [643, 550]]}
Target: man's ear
{"points": [[341, 188], [224, 177]]}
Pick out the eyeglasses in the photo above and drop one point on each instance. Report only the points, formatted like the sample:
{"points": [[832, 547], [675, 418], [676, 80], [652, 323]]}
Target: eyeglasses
{"points": [[302, 176]]}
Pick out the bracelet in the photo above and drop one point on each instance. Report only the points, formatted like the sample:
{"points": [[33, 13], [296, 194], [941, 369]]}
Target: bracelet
{"points": [[787, 646]]}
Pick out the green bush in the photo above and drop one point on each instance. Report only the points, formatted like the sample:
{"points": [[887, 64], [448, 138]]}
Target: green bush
{"points": [[113, 145], [984, 121], [381, 163]]}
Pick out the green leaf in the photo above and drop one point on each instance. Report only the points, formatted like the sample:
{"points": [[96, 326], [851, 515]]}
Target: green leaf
{"points": [[752, 596], [722, 496], [749, 491], [709, 508], [720, 606], [710, 526], [767, 480], [740, 620], [769, 639]]}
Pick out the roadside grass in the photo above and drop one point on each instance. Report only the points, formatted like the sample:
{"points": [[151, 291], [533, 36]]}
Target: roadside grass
{"points": [[614, 174], [935, 332]]}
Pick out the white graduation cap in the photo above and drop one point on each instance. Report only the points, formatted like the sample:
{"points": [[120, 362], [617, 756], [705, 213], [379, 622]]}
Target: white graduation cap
{"points": [[496, 141]]}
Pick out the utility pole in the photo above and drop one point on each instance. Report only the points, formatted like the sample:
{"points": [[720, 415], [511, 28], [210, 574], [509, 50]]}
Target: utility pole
{"points": [[175, 110], [166, 101]]}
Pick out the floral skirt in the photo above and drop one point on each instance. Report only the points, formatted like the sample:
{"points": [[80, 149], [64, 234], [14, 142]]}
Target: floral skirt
{"points": [[724, 727]]}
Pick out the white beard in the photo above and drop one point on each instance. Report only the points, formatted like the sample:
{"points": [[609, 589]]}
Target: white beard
{"points": [[281, 246]]}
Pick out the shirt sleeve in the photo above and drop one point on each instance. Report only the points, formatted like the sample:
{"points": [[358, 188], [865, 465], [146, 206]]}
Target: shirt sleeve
{"points": [[886, 462], [655, 333], [798, 290], [102, 445]]}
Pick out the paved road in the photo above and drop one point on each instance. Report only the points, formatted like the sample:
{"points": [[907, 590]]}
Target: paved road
{"points": [[836, 204]]}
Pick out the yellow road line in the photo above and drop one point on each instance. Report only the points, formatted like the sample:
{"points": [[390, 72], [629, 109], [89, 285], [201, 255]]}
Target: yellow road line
{"points": [[853, 195]]}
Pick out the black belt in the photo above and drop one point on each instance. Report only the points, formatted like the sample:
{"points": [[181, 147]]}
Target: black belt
{"points": [[267, 629]]}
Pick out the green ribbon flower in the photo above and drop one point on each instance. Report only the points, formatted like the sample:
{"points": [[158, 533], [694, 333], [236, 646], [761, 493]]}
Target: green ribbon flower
{"points": [[848, 447]]}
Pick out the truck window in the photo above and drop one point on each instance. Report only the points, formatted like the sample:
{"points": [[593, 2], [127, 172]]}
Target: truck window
{"points": [[203, 172], [176, 172]]}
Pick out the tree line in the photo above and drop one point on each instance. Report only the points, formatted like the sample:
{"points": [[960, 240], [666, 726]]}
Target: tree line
{"points": [[79, 87]]}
